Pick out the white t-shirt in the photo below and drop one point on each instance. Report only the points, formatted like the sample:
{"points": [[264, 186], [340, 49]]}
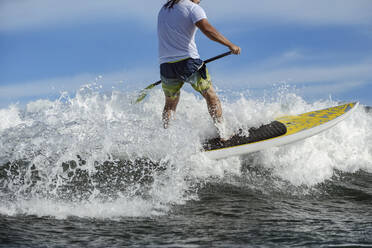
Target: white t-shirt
{"points": [[176, 31]]}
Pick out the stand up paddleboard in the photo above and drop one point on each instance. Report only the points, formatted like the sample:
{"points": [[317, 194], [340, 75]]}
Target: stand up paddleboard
{"points": [[282, 131]]}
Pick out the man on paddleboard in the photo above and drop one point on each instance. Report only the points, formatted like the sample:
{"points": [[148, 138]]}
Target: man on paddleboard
{"points": [[179, 59]]}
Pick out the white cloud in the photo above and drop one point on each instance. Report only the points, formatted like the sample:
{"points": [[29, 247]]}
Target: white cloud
{"points": [[27, 14], [332, 88], [131, 79], [289, 68], [318, 79], [316, 12], [284, 59], [297, 75], [43, 87], [309, 74]]}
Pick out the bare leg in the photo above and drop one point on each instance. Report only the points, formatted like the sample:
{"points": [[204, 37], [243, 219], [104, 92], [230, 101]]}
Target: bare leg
{"points": [[215, 110], [214, 105], [169, 109]]}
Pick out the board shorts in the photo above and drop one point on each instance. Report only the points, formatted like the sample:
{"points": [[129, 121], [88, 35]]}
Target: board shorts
{"points": [[175, 74]]}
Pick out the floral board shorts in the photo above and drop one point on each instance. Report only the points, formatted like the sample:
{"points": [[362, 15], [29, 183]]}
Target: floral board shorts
{"points": [[175, 74]]}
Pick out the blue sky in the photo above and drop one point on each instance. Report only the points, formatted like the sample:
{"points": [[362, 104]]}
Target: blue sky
{"points": [[321, 48]]}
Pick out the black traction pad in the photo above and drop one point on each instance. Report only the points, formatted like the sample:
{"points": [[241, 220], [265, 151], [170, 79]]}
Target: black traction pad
{"points": [[264, 132]]}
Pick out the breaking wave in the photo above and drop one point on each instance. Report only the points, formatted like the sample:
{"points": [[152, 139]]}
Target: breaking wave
{"points": [[97, 155]]}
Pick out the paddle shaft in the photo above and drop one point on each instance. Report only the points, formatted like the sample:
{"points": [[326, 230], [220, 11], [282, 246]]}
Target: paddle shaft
{"points": [[217, 57]]}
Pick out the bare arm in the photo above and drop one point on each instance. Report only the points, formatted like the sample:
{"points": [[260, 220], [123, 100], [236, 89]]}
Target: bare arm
{"points": [[214, 35]]}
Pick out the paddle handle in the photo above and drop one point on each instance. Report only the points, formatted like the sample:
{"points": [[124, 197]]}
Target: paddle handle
{"points": [[206, 62]]}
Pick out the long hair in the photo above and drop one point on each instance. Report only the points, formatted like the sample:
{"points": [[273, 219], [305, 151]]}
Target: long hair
{"points": [[170, 3]]}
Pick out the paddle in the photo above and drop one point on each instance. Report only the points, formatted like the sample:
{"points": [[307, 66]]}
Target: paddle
{"points": [[143, 92]]}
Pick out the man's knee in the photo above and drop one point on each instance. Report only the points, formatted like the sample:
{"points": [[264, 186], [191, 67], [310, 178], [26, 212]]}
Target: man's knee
{"points": [[210, 95], [171, 102]]}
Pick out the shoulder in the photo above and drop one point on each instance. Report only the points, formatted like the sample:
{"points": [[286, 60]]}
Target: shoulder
{"points": [[197, 13], [195, 7], [190, 6]]}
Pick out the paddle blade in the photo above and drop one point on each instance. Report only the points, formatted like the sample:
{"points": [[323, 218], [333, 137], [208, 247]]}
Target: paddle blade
{"points": [[141, 96], [144, 92]]}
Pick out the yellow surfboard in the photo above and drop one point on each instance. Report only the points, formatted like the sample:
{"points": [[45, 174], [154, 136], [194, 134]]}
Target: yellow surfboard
{"points": [[283, 130]]}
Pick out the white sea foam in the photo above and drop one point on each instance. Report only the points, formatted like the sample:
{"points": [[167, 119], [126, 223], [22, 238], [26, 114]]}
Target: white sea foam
{"points": [[128, 207], [9, 117], [99, 127], [346, 147]]}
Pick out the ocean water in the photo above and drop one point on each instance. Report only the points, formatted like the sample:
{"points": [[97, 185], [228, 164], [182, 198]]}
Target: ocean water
{"points": [[94, 170]]}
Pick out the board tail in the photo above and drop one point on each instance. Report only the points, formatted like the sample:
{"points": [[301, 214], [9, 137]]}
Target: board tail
{"points": [[264, 132]]}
